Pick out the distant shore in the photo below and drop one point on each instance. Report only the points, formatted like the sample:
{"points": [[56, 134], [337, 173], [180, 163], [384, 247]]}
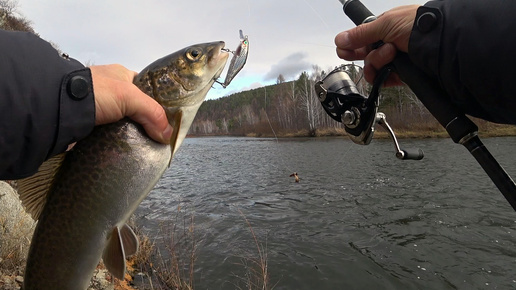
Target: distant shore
{"points": [[486, 130]]}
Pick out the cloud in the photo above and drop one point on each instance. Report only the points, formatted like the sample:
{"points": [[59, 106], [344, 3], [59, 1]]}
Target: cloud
{"points": [[135, 33], [290, 67]]}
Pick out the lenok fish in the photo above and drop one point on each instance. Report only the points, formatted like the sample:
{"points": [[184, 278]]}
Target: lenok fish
{"points": [[82, 199], [238, 60]]}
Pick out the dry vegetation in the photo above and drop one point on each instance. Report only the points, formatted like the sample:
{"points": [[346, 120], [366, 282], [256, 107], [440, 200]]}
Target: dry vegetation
{"points": [[255, 265], [172, 265], [16, 229]]}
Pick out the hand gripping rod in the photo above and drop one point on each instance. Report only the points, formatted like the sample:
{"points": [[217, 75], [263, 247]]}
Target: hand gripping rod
{"points": [[461, 129]]}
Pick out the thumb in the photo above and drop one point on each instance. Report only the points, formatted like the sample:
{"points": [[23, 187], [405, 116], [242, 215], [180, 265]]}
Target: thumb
{"points": [[151, 115], [360, 36], [393, 26]]}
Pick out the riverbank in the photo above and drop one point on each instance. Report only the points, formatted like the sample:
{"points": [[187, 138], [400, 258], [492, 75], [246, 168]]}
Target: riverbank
{"points": [[486, 130], [172, 267]]}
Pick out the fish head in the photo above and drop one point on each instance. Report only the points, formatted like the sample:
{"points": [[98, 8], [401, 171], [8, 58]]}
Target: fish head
{"points": [[180, 82]]}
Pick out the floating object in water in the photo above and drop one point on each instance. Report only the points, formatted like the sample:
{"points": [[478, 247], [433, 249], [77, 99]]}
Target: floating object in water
{"points": [[295, 176]]}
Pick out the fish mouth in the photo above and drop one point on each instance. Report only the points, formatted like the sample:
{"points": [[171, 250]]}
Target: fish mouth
{"points": [[216, 59], [181, 117], [219, 57]]}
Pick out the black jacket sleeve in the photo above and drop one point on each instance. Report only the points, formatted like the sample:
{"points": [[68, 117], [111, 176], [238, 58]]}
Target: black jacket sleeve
{"points": [[468, 45], [46, 103]]}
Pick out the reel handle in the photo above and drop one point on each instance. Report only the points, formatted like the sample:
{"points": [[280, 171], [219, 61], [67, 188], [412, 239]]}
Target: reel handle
{"points": [[412, 154]]}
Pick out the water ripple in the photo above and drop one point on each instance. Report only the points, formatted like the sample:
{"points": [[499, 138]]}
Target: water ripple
{"points": [[359, 218]]}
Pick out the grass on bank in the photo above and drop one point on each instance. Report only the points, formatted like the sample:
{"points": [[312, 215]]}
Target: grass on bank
{"points": [[175, 267], [171, 269], [255, 265], [421, 130]]}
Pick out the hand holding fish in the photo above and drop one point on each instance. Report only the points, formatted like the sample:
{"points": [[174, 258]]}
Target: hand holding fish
{"points": [[116, 97]]}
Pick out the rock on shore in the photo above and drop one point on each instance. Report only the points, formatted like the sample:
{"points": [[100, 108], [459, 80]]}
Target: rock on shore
{"points": [[16, 228]]}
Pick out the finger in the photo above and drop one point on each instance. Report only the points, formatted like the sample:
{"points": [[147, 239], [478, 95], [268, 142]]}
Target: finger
{"points": [[360, 36], [114, 71], [393, 80], [382, 56], [379, 58], [370, 74], [151, 115], [357, 54]]}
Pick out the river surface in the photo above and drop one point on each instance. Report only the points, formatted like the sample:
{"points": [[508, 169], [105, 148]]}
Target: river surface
{"points": [[358, 219]]}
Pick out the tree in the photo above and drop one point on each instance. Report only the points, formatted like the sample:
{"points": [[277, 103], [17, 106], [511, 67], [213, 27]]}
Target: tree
{"points": [[309, 100], [280, 79], [8, 19]]}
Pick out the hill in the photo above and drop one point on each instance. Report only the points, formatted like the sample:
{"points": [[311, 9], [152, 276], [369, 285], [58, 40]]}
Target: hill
{"points": [[289, 109], [292, 109]]}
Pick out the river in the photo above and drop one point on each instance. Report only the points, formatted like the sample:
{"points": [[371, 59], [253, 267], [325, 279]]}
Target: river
{"points": [[358, 219]]}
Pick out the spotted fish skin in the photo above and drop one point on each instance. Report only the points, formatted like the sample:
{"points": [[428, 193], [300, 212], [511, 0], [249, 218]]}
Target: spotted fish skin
{"points": [[80, 214], [82, 199]]}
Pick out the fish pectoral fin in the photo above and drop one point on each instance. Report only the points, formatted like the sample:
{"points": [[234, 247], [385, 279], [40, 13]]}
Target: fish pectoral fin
{"points": [[114, 255], [175, 120], [33, 190], [129, 241]]}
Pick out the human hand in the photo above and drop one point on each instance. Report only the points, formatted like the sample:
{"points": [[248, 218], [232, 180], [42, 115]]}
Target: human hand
{"points": [[117, 97], [392, 27]]}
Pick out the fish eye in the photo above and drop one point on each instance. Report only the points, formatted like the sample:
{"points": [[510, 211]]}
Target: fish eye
{"points": [[193, 53]]}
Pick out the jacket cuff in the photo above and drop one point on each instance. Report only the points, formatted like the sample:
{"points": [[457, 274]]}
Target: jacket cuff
{"points": [[76, 109], [425, 39]]}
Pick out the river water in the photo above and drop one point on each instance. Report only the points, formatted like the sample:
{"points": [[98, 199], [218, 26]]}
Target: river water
{"points": [[358, 219]]}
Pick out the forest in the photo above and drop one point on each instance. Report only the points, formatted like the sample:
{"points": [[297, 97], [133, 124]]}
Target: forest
{"points": [[292, 108]]}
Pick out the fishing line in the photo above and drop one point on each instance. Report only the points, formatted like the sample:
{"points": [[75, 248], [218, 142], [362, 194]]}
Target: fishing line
{"points": [[282, 157], [288, 40], [318, 15], [249, 6], [274, 132], [265, 104], [266, 115]]}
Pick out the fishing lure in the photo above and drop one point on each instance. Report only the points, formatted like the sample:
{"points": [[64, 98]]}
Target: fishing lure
{"points": [[238, 61]]}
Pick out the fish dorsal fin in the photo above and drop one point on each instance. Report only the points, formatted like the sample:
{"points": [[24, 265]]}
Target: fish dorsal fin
{"points": [[114, 255], [129, 241], [34, 190]]}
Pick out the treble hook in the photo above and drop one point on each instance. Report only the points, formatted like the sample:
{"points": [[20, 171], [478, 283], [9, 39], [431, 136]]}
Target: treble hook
{"points": [[222, 84]]}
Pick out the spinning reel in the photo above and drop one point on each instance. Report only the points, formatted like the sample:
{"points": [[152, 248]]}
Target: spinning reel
{"points": [[342, 101]]}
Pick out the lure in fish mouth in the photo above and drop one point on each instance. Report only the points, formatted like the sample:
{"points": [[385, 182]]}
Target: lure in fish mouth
{"points": [[238, 60], [180, 82], [83, 198]]}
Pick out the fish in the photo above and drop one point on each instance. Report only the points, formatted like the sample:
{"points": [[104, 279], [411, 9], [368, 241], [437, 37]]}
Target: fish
{"points": [[238, 60], [83, 198]]}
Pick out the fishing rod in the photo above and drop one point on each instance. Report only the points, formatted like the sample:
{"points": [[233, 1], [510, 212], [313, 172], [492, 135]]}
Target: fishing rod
{"points": [[359, 114]]}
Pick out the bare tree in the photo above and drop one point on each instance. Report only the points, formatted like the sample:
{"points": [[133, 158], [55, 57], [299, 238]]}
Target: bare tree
{"points": [[8, 19], [280, 79], [309, 101], [8, 6]]}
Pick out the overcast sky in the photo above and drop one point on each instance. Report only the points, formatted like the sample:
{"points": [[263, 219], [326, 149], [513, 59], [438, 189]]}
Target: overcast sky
{"points": [[286, 36]]}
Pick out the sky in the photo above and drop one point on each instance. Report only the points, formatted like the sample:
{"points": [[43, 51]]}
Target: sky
{"points": [[285, 36]]}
